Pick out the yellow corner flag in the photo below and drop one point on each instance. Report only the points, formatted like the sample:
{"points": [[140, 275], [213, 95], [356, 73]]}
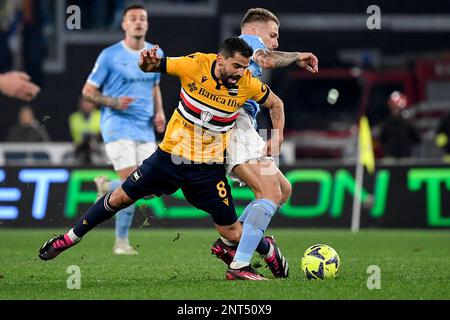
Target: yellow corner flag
{"points": [[366, 156]]}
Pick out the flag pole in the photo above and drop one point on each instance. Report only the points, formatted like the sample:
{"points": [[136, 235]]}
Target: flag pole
{"points": [[356, 213], [364, 158]]}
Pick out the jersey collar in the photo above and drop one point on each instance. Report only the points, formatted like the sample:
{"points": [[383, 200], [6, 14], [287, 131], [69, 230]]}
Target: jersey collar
{"points": [[132, 50]]}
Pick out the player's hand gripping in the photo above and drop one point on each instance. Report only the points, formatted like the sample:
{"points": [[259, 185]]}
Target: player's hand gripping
{"points": [[149, 60], [273, 145], [308, 61]]}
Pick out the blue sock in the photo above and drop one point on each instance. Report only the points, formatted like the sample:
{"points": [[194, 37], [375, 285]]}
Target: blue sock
{"points": [[124, 220], [97, 213], [256, 222], [263, 245], [246, 211]]}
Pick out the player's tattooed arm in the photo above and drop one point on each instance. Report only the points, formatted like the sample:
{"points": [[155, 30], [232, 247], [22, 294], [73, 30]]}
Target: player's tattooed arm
{"points": [[275, 59], [92, 94], [149, 60], [276, 109], [279, 59]]}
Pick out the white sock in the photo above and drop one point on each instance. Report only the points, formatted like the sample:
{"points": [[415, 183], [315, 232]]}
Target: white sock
{"points": [[228, 243], [238, 265], [73, 236], [123, 241]]}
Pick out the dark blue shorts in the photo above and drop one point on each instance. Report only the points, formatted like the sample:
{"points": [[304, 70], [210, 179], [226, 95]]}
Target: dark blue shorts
{"points": [[205, 186]]}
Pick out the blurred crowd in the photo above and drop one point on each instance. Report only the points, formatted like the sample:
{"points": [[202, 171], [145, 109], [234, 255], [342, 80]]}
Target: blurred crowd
{"points": [[23, 46], [107, 14]]}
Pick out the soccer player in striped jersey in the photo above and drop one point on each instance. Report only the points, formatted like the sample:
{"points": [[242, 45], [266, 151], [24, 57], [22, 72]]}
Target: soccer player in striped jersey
{"points": [[191, 156]]}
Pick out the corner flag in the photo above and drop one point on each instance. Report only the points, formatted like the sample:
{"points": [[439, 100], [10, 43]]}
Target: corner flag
{"points": [[366, 157]]}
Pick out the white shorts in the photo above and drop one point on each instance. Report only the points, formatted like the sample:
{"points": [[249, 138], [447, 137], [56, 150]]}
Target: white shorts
{"points": [[245, 144], [127, 153]]}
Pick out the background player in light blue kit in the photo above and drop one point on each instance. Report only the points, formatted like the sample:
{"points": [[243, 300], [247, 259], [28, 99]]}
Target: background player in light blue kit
{"points": [[131, 109]]}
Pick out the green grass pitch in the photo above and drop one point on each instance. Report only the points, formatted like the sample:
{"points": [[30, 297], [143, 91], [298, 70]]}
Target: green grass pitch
{"points": [[176, 264]]}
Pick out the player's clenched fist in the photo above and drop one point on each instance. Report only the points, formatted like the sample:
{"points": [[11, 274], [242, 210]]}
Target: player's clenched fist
{"points": [[149, 60]]}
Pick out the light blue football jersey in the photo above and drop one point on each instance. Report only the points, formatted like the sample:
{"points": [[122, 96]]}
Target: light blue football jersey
{"points": [[256, 43], [116, 74]]}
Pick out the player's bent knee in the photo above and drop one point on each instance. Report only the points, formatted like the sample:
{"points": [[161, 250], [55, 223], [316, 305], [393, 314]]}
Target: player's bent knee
{"points": [[286, 191], [274, 194], [276, 197], [269, 189], [119, 199], [286, 188], [256, 187]]}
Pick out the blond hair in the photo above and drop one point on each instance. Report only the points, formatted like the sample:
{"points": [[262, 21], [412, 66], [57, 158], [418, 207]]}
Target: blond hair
{"points": [[260, 15]]}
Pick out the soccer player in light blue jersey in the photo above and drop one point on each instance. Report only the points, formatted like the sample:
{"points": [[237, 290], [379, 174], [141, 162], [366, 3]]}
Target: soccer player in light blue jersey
{"points": [[131, 110], [250, 158]]}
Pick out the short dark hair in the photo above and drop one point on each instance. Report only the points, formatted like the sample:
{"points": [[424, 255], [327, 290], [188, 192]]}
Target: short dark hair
{"points": [[234, 45], [259, 14], [132, 7]]}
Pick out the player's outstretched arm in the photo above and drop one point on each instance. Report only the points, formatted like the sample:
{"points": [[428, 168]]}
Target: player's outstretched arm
{"points": [[276, 107], [278, 59], [149, 60], [91, 94]]}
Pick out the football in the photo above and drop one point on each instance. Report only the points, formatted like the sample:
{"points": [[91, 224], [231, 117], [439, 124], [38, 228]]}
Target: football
{"points": [[320, 261]]}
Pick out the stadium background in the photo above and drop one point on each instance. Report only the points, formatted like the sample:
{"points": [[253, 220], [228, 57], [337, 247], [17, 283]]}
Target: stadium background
{"points": [[336, 32], [405, 212]]}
